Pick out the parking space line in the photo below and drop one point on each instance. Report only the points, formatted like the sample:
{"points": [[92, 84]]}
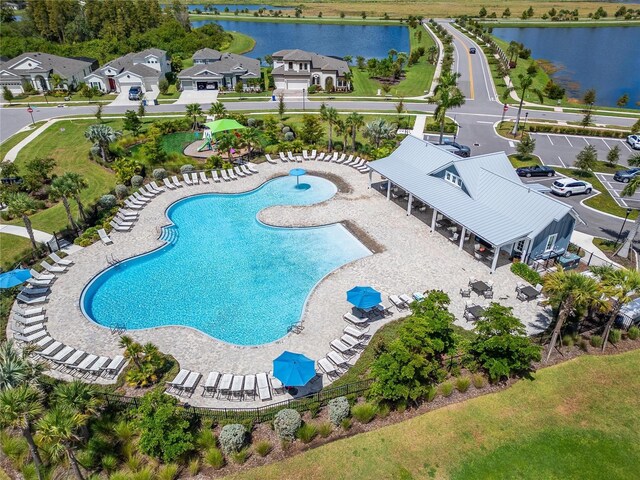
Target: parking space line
{"points": [[625, 144], [549, 139], [511, 144], [585, 140], [606, 143], [568, 140], [563, 164]]}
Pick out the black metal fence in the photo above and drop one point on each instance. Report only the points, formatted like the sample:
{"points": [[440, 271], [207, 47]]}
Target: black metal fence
{"points": [[256, 414]]}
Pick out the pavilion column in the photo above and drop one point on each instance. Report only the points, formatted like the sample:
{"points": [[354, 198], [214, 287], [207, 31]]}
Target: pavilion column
{"points": [[496, 253], [388, 189], [409, 204], [370, 178], [433, 220], [462, 235]]}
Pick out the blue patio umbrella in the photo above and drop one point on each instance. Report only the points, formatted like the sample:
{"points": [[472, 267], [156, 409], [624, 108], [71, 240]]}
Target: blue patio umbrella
{"points": [[364, 297], [14, 277], [293, 369], [297, 172]]}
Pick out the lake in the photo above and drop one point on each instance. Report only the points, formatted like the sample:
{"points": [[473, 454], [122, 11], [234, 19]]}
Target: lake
{"points": [[370, 41], [602, 58], [234, 6]]}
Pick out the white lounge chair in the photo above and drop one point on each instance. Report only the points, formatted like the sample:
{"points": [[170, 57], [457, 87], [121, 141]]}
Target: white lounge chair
{"points": [[211, 383], [270, 160], [39, 283], [333, 157], [313, 155], [156, 187], [341, 347], [44, 342], [187, 179], [352, 160], [140, 198], [29, 321], [348, 160], [364, 169], [251, 167], [214, 175], [341, 159], [62, 355], [194, 178], [264, 392], [320, 157], [351, 341], [224, 175], [41, 275], [190, 383], [168, 184], [290, 157], [327, 367], [406, 299], [29, 312], [142, 193], [123, 223], [395, 299], [358, 164], [236, 386], [26, 329], [97, 367], [120, 228], [282, 157], [276, 384], [351, 318], [224, 386], [249, 387], [85, 364], [134, 201], [31, 300], [203, 177], [239, 172], [114, 367], [51, 349], [305, 154], [65, 262], [74, 360], [104, 237], [356, 332], [299, 158], [53, 268], [179, 379], [150, 190], [129, 215], [246, 170], [232, 175], [32, 337], [338, 360], [133, 206], [177, 182]]}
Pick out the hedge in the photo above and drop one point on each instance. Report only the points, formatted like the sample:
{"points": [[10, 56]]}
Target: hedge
{"points": [[524, 271], [567, 130]]}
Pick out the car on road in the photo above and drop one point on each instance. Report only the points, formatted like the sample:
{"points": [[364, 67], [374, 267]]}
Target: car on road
{"points": [[135, 93], [472, 50], [536, 171], [566, 187], [634, 141], [463, 150], [625, 176]]}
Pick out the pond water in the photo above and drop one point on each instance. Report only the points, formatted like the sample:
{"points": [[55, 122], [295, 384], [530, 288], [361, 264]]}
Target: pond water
{"points": [[602, 58], [234, 6], [370, 41]]}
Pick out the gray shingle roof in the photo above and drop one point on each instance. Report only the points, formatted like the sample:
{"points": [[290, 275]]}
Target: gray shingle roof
{"points": [[227, 63], [63, 66], [318, 62]]}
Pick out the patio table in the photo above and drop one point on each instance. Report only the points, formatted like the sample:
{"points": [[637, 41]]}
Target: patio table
{"points": [[529, 292], [479, 286], [476, 311]]}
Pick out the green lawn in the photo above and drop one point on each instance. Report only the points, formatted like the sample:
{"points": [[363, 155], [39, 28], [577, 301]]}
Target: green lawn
{"points": [[12, 247], [176, 142], [572, 421], [240, 44], [517, 162], [171, 94], [74, 97], [15, 139]]}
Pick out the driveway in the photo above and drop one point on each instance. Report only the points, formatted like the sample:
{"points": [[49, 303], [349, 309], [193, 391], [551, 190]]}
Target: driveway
{"points": [[615, 189], [197, 96], [123, 100]]}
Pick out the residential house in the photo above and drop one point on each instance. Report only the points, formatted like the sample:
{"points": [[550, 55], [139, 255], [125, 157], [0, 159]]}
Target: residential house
{"points": [[142, 69], [298, 70], [38, 69], [213, 70], [479, 201]]}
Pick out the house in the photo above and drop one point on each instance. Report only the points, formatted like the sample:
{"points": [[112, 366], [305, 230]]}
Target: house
{"points": [[480, 200], [142, 69], [213, 70], [298, 70], [38, 69]]}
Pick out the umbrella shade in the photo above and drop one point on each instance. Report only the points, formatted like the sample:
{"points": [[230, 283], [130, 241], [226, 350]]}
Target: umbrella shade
{"points": [[14, 277], [297, 172], [293, 369], [223, 125], [364, 297]]}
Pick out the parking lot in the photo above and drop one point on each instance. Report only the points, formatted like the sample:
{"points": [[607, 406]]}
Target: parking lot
{"points": [[615, 189], [561, 150]]}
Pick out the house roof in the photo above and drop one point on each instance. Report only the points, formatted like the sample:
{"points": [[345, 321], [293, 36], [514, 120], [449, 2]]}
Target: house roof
{"points": [[226, 63], [133, 62], [45, 62], [318, 62], [494, 204], [207, 54]]}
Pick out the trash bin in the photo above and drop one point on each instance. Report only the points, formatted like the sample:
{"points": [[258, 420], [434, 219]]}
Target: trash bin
{"points": [[273, 98], [144, 102]]}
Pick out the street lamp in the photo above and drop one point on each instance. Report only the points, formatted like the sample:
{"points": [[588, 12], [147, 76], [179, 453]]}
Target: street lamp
{"points": [[623, 224], [524, 127], [303, 90]]}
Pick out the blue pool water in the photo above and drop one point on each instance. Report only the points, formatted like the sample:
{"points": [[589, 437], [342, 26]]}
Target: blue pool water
{"points": [[223, 272]]}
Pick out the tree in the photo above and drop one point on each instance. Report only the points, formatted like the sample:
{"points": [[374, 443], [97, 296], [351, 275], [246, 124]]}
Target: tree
{"points": [[193, 111], [622, 101], [77, 183], [620, 285], [61, 189], [526, 146], [282, 107], [613, 156], [570, 293], [227, 142], [354, 121], [348, 59], [141, 109], [446, 95], [217, 110], [164, 431], [587, 159], [506, 13], [132, 122], [16, 367], [482, 13], [251, 138], [513, 49], [378, 130], [163, 86], [102, 136], [635, 128], [132, 349], [98, 113], [330, 115], [629, 189], [360, 62], [399, 108], [311, 132], [7, 95], [589, 100], [502, 346], [153, 150], [38, 172], [57, 434], [526, 83], [20, 204], [19, 407]]}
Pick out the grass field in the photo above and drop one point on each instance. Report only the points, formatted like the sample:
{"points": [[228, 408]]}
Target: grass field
{"points": [[15, 139], [241, 43], [12, 248], [576, 420]]}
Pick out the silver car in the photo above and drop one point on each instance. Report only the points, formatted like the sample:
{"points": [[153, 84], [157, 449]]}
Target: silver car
{"points": [[566, 187], [634, 141]]}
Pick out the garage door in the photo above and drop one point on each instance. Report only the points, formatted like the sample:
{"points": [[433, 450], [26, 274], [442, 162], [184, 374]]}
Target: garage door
{"points": [[124, 86], [15, 88], [296, 84]]}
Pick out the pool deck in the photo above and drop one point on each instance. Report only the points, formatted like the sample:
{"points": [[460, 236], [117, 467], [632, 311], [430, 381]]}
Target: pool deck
{"points": [[412, 259]]}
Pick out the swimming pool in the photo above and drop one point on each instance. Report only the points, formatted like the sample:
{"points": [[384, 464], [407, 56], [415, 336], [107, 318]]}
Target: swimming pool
{"points": [[222, 271]]}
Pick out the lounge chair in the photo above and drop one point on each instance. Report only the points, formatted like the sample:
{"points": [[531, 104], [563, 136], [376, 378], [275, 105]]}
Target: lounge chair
{"points": [[129, 216], [124, 221], [264, 392], [141, 198], [177, 182], [134, 201], [104, 237], [142, 192], [29, 312], [29, 321], [84, 366], [465, 292], [41, 275], [246, 170], [50, 349], [331, 157], [276, 384], [397, 301], [232, 175], [65, 262], [31, 300], [299, 158], [53, 268], [194, 178], [133, 206], [179, 379], [417, 296], [239, 172], [35, 292], [356, 332], [74, 360], [282, 157], [313, 155], [214, 175], [168, 184], [270, 160], [120, 228], [291, 157], [358, 164], [327, 367], [190, 383], [225, 384], [349, 160], [338, 360], [44, 342], [39, 283], [203, 177], [406, 299], [224, 175], [113, 368], [156, 187], [32, 337], [341, 347], [187, 179], [211, 383], [26, 329], [305, 154], [152, 190], [351, 341], [249, 385], [364, 169], [320, 157], [341, 159], [351, 318], [236, 386], [98, 366], [62, 355], [251, 167]]}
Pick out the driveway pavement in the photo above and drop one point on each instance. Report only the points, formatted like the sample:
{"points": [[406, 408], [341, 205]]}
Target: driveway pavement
{"points": [[123, 100], [197, 96]]}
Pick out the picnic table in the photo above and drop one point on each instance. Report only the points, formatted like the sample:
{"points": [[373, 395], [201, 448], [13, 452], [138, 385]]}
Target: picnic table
{"points": [[479, 286], [529, 292], [476, 311]]}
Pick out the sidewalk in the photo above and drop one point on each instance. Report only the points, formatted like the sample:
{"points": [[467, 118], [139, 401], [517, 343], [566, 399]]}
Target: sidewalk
{"points": [[418, 127], [40, 236], [585, 241]]}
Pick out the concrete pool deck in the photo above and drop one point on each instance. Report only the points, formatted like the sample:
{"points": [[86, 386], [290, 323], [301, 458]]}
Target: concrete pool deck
{"points": [[411, 259]]}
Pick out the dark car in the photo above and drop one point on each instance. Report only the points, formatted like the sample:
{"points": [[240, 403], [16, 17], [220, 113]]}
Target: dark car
{"points": [[472, 50], [135, 93], [535, 171], [625, 176], [463, 150]]}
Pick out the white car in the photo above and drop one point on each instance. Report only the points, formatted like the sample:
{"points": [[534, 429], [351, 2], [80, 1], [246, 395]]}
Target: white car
{"points": [[570, 186], [634, 141]]}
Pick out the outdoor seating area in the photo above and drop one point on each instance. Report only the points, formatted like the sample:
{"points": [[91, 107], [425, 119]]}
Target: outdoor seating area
{"points": [[526, 293], [360, 164]]}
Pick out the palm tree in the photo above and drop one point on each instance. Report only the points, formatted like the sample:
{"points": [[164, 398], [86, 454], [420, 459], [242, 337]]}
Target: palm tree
{"points": [[19, 204], [392, 53], [348, 77], [354, 121], [513, 50], [446, 95], [526, 83], [432, 52], [227, 142], [330, 115], [102, 135], [77, 184], [399, 108], [217, 110], [343, 131], [619, 285], [16, 367], [193, 111], [251, 138], [78, 396], [61, 189], [571, 292], [629, 189], [378, 130], [56, 432], [132, 349], [19, 407]]}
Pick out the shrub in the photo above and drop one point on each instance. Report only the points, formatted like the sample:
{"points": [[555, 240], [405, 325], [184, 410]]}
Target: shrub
{"points": [[206, 439], [186, 168], [16, 448], [307, 432], [286, 423], [338, 410], [288, 136], [194, 467], [109, 462], [345, 423], [615, 335], [596, 341], [263, 448], [446, 389], [567, 340], [430, 395], [478, 381], [583, 345], [159, 173], [232, 438], [524, 271], [107, 201], [241, 456], [633, 333], [214, 458], [167, 472], [364, 412], [462, 384], [121, 191], [137, 180], [251, 122], [384, 410], [325, 429], [286, 129]]}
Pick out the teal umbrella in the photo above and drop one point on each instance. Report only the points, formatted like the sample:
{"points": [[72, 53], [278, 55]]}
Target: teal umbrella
{"points": [[294, 369], [14, 277], [297, 172]]}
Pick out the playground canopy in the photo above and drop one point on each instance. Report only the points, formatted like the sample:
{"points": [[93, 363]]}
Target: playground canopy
{"points": [[223, 125]]}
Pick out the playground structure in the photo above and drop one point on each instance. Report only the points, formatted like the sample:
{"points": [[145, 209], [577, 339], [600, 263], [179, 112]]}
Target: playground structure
{"points": [[206, 146]]}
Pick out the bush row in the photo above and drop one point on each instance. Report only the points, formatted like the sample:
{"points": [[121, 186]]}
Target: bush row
{"points": [[568, 130]]}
